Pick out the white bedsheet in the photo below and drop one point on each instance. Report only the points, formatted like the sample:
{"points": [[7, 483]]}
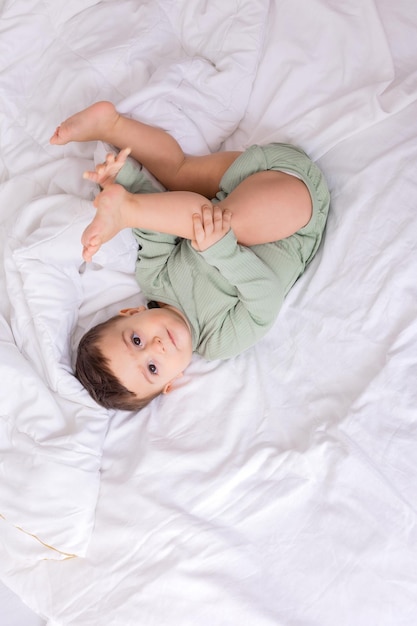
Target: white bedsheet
{"points": [[278, 488]]}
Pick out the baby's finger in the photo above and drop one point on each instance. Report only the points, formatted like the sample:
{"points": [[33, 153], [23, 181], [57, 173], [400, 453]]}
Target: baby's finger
{"points": [[93, 176], [227, 219], [123, 154], [198, 228], [208, 219], [217, 218]]}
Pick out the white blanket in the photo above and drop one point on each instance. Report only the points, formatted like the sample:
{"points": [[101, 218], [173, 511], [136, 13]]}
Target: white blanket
{"points": [[277, 488]]}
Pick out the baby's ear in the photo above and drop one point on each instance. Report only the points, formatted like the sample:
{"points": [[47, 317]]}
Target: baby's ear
{"points": [[132, 311], [171, 385]]}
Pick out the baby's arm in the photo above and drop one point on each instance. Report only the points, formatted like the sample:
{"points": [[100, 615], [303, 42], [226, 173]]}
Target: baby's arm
{"points": [[260, 292]]}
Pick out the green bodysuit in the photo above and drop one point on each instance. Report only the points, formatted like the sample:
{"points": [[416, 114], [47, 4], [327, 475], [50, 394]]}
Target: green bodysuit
{"points": [[230, 294]]}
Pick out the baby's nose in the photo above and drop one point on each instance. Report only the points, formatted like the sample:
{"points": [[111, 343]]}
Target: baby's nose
{"points": [[158, 344]]}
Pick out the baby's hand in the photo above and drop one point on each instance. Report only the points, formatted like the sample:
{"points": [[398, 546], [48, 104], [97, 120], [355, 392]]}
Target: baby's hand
{"points": [[105, 174], [210, 226]]}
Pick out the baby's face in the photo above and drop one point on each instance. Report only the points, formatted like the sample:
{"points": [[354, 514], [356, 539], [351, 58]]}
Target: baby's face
{"points": [[148, 349]]}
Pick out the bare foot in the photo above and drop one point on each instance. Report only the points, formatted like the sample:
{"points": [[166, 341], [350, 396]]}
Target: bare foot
{"points": [[90, 124], [112, 205]]}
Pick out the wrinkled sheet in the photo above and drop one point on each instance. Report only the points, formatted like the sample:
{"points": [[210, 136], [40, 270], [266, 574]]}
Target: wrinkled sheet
{"points": [[277, 488]]}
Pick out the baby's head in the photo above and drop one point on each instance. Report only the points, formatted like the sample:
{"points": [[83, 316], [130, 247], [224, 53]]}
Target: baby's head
{"points": [[131, 358]]}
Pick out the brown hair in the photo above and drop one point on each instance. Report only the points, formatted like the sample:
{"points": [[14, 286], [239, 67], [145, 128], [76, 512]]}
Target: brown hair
{"points": [[93, 371]]}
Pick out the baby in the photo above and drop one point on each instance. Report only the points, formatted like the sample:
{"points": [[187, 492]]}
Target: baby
{"points": [[215, 271]]}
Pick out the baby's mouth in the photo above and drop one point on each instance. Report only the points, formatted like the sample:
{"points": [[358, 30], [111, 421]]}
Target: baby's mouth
{"points": [[171, 339]]}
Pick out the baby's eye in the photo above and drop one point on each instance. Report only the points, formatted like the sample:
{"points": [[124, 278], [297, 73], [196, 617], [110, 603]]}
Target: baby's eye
{"points": [[136, 340], [152, 368]]}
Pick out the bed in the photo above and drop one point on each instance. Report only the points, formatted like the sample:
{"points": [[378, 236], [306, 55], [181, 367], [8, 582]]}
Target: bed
{"points": [[278, 488]]}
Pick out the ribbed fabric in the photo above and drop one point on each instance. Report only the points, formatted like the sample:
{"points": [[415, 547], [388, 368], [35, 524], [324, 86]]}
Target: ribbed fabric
{"points": [[231, 294]]}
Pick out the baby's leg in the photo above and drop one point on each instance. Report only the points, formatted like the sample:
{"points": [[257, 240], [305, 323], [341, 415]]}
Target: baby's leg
{"points": [[153, 147], [268, 206]]}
